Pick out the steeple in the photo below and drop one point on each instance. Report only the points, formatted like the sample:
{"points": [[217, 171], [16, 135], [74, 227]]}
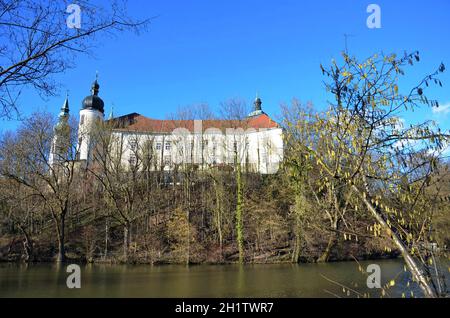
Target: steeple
{"points": [[61, 133], [95, 87], [257, 109], [63, 114], [111, 113], [257, 103], [94, 102], [65, 107]]}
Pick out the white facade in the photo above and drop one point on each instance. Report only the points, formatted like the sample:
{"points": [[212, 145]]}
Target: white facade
{"points": [[256, 150], [88, 123]]}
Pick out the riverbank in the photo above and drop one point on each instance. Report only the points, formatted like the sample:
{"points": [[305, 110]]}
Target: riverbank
{"points": [[13, 252]]}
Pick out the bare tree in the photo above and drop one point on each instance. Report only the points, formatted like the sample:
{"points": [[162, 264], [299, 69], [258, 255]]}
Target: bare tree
{"points": [[21, 209], [25, 160], [36, 43], [117, 165]]}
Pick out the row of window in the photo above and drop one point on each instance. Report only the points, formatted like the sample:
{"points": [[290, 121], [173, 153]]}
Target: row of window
{"points": [[132, 160], [167, 160], [133, 145], [159, 145]]}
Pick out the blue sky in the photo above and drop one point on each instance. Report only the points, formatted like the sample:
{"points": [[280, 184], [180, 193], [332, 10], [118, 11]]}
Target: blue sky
{"points": [[208, 51]]}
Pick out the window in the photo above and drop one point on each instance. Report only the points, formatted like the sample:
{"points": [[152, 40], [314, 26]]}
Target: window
{"points": [[82, 120], [167, 145], [158, 146], [132, 160], [133, 144], [167, 160]]}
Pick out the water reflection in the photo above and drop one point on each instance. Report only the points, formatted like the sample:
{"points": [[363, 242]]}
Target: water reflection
{"points": [[281, 280]]}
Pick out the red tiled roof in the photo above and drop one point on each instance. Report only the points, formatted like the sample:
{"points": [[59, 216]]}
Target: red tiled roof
{"points": [[139, 123]]}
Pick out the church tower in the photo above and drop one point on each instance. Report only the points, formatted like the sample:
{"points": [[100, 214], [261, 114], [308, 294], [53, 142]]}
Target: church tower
{"points": [[257, 109], [92, 112], [61, 136]]}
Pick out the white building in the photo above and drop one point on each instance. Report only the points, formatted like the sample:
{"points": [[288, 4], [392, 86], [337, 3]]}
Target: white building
{"points": [[255, 142]]}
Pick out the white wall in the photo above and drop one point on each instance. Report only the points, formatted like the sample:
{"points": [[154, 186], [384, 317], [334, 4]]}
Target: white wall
{"points": [[88, 120], [260, 151]]}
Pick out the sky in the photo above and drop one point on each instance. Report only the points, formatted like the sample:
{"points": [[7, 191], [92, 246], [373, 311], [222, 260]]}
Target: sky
{"points": [[209, 51]]}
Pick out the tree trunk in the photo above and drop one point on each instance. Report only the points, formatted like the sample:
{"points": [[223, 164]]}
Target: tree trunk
{"points": [[220, 240], [27, 245], [126, 240], [299, 211], [297, 247], [106, 238], [239, 220], [219, 218], [409, 260], [326, 254], [188, 254], [61, 237], [331, 243]]}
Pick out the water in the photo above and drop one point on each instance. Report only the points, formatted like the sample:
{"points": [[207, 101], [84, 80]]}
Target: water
{"points": [[283, 280]]}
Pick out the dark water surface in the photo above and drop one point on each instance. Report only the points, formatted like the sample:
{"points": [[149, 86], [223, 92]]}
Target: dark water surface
{"points": [[284, 280]]}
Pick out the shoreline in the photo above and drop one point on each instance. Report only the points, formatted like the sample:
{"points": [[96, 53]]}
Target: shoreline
{"points": [[165, 263]]}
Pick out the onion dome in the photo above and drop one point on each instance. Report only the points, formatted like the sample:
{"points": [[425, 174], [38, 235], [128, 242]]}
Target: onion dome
{"points": [[93, 101]]}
